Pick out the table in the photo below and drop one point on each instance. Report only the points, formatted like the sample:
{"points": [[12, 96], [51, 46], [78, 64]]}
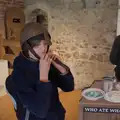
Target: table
{"points": [[100, 109]]}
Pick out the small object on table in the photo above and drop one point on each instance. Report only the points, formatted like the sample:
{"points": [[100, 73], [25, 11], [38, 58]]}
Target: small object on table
{"points": [[113, 96], [108, 84], [93, 93]]}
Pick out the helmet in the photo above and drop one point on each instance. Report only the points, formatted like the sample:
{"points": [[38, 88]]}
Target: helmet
{"points": [[33, 29]]}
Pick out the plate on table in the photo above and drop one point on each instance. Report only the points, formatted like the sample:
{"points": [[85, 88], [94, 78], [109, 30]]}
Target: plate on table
{"points": [[93, 93], [113, 96]]}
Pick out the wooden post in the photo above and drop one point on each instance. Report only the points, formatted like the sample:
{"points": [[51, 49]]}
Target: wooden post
{"points": [[2, 51]]}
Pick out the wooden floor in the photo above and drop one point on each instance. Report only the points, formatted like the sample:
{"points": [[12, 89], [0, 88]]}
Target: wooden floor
{"points": [[6, 109], [70, 101]]}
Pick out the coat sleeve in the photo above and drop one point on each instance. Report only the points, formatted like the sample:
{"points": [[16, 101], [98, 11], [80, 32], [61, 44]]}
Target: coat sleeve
{"points": [[65, 82], [37, 101]]}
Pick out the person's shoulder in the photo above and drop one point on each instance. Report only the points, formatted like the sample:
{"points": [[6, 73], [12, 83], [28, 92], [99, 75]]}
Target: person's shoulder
{"points": [[17, 58], [117, 39], [19, 61]]}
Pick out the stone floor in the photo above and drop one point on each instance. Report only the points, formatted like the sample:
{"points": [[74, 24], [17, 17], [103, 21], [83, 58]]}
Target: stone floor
{"points": [[70, 101]]}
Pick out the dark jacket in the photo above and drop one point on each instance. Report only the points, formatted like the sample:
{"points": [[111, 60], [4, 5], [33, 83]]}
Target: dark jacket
{"points": [[39, 98], [115, 52], [115, 57]]}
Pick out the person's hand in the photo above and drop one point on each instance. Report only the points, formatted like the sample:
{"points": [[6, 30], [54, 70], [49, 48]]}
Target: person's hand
{"points": [[57, 63], [44, 67], [53, 56]]}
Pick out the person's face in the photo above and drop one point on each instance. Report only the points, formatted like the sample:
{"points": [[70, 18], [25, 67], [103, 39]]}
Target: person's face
{"points": [[41, 49]]}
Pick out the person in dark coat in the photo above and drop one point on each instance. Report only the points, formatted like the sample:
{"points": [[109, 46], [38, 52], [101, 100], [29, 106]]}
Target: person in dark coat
{"points": [[115, 57], [37, 74]]}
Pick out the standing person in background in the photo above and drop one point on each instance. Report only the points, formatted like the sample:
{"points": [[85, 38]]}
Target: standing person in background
{"points": [[115, 57], [37, 74]]}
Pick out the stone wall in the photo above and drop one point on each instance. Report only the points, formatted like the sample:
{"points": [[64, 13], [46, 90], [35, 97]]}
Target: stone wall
{"points": [[82, 34]]}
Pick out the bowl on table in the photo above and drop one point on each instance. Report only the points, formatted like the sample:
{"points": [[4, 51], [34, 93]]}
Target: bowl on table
{"points": [[93, 93]]}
